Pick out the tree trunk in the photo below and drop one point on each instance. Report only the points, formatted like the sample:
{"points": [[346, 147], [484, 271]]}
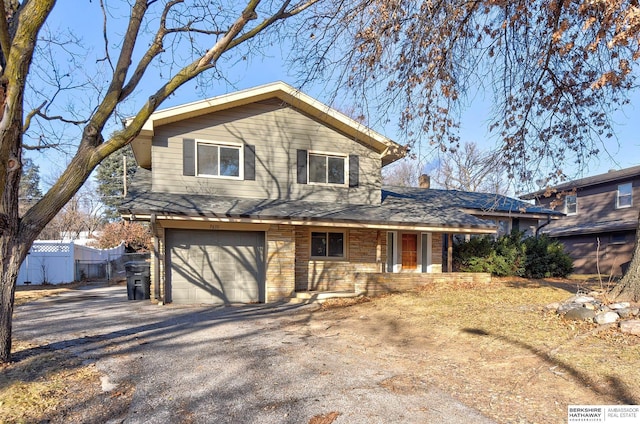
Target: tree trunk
{"points": [[12, 252], [628, 289]]}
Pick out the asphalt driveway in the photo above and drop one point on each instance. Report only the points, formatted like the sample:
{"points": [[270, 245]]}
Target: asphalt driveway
{"points": [[245, 364]]}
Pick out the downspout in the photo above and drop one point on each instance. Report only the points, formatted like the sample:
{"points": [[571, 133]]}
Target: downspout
{"points": [[543, 225], [156, 260]]}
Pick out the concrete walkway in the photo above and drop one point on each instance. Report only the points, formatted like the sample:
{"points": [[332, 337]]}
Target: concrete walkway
{"points": [[246, 364]]}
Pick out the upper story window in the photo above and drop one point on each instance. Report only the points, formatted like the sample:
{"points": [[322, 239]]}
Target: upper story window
{"points": [[327, 168], [327, 244], [624, 198], [219, 160], [571, 205]]}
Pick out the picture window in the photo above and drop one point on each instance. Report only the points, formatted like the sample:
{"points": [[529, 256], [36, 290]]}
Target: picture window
{"points": [[219, 160], [327, 244], [327, 169]]}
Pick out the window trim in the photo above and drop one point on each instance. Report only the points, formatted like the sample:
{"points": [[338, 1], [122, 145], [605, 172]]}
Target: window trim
{"points": [[327, 155], [630, 195], [566, 209], [220, 144], [327, 232]]}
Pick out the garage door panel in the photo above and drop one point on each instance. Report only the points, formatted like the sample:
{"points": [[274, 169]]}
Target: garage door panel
{"points": [[215, 266]]}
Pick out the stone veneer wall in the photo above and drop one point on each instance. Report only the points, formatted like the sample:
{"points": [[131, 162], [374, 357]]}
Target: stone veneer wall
{"points": [[331, 274], [436, 252], [161, 275], [373, 284], [281, 263]]}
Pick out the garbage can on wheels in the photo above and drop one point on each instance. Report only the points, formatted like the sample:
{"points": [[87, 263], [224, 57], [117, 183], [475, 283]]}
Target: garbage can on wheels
{"points": [[138, 280]]}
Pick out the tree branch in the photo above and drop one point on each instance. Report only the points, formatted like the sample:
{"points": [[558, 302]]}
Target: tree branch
{"points": [[5, 38], [111, 99], [107, 57], [281, 14], [154, 50]]}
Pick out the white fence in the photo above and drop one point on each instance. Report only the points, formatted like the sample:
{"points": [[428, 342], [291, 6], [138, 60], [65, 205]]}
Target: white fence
{"points": [[54, 262]]}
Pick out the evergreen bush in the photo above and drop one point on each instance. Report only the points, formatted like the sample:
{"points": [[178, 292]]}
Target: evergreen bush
{"points": [[513, 255]]}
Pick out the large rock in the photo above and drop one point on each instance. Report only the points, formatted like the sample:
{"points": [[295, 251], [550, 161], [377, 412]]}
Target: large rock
{"points": [[580, 299], [627, 312], [620, 305], [631, 326], [568, 306], [580, 314], [606, 317]]}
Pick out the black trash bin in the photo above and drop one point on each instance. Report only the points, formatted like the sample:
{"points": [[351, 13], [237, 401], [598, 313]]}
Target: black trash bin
{"points": [[138, 280]]}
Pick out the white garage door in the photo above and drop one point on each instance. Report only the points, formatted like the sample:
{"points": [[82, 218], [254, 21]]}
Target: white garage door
{"points": [[215, 266]]}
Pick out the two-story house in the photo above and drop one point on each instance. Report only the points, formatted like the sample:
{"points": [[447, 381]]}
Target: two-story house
{"points": [[601, 217], [256, 195]]}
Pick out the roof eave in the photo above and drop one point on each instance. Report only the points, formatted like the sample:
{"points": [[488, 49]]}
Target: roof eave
{"points": [[389, 150]]}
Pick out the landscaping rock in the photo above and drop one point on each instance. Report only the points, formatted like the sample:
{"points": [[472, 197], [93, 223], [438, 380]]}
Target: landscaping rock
{"points": [[627, 312], [620, 305], [631, 326], [552, 306], [565, 307], [606, 317], [580, 299], [580, 314]]}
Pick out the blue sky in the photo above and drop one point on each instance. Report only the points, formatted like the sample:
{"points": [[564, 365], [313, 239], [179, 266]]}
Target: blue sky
{"points": [[84, 16]]}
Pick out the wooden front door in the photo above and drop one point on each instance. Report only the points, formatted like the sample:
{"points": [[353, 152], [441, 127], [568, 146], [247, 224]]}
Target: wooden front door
{"points": [[409, 251]]}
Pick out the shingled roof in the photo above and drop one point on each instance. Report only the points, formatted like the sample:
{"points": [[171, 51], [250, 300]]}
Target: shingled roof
{"points": [[472, 201], [588, 181], [401, 206]]}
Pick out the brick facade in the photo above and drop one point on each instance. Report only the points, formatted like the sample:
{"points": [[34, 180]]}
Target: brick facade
{"points": [[290, 268], [373, 284], [281, 256]]}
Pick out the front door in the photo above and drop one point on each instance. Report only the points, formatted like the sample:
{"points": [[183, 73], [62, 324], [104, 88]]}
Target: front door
{"points": [[409, 251]]}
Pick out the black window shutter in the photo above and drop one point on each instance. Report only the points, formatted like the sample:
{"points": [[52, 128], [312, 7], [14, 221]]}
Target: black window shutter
{"points": [[188, 156], [302, 167], [354, 170], [249, 162]]}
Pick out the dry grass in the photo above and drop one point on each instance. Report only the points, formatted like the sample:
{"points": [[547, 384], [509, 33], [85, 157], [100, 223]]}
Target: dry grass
{"points": [[496, 349], [39, 383], [491, 346], [25, 294]]}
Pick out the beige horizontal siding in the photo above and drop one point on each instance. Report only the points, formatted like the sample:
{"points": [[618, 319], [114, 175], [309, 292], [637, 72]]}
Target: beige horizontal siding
{"points": [[276, 132]]}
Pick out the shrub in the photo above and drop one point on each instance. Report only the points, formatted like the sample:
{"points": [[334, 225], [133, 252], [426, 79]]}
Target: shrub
{"points": [[546, 258], [513, 255]]}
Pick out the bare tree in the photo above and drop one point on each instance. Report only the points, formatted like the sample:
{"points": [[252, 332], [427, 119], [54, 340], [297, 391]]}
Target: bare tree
{"points": [[403, 173], [471, 169], [556, 71], [81, 214], [184, 38]]}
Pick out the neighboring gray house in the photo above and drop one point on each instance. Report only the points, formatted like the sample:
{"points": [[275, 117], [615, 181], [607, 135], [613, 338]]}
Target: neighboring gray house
{"points": [[599, 229], [260, 194]]}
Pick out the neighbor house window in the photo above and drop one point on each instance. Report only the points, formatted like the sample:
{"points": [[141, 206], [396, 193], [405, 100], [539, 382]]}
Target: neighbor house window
{"points": [[618, 238], [327, 168], [571, 205], [219, 160], [624, 196], [327, 244]]}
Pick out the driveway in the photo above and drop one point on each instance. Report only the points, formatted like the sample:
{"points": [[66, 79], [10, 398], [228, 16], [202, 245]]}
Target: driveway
{"points": [[246, 364]]}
